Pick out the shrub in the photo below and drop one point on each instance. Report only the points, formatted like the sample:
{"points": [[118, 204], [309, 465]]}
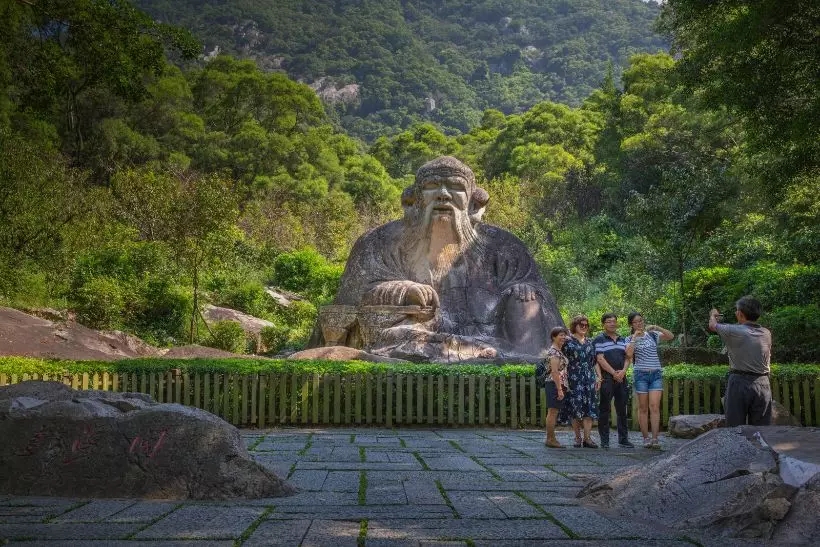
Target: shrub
{"points": [[100, 303], [228, 336], [308, 273], [274, 338], [298, 319]]}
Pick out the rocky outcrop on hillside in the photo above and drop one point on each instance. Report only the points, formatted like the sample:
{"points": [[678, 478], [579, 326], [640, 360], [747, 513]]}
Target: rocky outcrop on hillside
{"points": [[27, 335]]}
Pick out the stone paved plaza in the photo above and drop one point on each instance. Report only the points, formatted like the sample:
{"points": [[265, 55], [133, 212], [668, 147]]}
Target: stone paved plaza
{"points": [[365, 486]]}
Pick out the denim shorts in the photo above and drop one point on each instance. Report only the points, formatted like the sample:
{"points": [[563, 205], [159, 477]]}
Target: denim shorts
{"points": [[647, 380]]}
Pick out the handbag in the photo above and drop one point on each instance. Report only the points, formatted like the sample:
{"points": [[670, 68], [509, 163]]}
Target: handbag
{"points": [[542, 370]]}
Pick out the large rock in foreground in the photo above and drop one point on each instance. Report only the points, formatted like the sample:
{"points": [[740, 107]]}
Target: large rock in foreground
{"points": [[61, 442], [725, 483], [689, 426]]}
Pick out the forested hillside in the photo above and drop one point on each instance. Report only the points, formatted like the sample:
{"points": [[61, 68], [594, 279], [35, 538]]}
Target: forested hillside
{"points": [[382, 65], [134, 189]]}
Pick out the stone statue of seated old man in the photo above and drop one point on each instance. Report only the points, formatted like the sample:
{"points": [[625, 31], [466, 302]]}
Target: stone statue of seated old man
{"points": [[440, 285]]}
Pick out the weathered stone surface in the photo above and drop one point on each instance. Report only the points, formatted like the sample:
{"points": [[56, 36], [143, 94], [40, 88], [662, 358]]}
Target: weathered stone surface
{"points": [[723, 483], [61, 442], [24, 334], [802, 525], [33, 336], [782, 416], [439, 285], [342, 353], [689, 426], [250, 324]]}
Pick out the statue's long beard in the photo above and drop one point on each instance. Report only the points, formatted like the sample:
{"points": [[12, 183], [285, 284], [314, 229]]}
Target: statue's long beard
{"points": [[432, 242]]}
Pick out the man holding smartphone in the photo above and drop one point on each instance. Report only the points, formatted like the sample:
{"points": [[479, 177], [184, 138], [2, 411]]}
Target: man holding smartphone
{"points": [[748, 392]]}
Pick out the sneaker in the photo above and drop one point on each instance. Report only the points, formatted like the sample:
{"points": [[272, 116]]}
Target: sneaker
{"points": [[589, 443], [605, 446], [647, 442], [626, 444], [656, 444]]}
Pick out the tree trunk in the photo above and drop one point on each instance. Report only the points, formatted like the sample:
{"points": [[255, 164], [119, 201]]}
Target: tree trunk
{"points": [[195, 310], [682, 303]]}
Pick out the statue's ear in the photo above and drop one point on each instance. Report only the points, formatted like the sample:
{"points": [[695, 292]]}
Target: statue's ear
{"points": [[408, 197], [478, 202]]}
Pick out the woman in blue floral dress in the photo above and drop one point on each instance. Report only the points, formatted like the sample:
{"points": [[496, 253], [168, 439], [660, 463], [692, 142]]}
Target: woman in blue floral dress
{"points": [[581, 406]]}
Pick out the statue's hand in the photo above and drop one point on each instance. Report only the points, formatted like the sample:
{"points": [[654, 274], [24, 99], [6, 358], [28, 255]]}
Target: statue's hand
{"points": [[523, 292], [421, 295]]}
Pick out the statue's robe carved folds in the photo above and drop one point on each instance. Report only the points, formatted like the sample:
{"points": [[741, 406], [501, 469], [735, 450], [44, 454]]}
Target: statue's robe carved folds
{"points": [[440, 285]]}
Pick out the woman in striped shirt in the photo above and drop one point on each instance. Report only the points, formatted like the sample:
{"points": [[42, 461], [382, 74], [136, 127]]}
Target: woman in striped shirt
{"points": [[642, 349]]}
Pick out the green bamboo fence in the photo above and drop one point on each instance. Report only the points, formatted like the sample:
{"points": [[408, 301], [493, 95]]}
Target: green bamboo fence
{"points": [[394, 399]]}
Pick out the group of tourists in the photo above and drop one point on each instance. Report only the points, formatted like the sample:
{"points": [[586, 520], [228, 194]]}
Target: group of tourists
{"points": [[583, 376]]}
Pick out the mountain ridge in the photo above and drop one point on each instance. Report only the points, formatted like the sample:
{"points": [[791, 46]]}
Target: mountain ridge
{"points": [[404, 61]]}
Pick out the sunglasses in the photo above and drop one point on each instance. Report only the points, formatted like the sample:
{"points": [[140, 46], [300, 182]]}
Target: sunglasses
{"points": [[585, 325]]}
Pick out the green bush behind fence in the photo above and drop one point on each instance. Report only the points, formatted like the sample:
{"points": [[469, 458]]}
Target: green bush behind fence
{"points": [[265, 393]]}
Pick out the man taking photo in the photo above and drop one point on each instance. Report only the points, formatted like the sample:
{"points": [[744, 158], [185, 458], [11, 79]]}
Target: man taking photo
{"points": [[748, 393]]}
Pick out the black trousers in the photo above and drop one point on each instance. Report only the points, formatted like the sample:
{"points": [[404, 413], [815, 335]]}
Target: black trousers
{"points": [[748, 400], [610, 389]]}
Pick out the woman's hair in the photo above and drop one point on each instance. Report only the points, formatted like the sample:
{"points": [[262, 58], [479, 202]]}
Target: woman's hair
{"points": [[577, 321], [556, 331], [629, 319]]}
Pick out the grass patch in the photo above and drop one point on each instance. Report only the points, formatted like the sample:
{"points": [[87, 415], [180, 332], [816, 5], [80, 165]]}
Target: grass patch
{"points": [[352, 438], [551, 468], [421, 461], [568, 531], [307, 446], [257, 442], [252, 528], [362, 455], [456, 446], [690, 540], [133, 534], [360, 541], [291, 471], [492, 472], [362, 487], [402, 443], [69, 509], [446, 499]]}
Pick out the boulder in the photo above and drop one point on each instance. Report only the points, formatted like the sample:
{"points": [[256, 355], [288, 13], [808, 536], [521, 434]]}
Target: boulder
{"points": [[782, 416], [342, 353], [801, 525], [250, 324], [724, 483], [27, 335], [689, 426], [62, 442]]}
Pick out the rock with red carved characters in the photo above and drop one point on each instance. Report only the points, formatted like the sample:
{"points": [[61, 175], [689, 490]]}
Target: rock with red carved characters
{"points": [[58, 441]]}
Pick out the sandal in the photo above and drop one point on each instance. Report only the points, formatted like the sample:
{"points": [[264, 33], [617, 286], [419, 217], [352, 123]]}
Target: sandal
{"points": [[553, 443]]}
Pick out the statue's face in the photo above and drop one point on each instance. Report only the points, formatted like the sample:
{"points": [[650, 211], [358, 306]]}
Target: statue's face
{"points": [[444, 197]]}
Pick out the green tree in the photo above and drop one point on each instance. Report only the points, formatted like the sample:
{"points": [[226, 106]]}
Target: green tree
{"points": [[68, 59]]}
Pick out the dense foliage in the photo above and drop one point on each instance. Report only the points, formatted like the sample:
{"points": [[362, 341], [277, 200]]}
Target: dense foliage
{"points": [[138, 194], [417, 60], [57, 368]]}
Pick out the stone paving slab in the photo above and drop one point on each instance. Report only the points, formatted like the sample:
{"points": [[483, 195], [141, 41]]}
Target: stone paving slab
{"points": [[70, 531], [123, 543], [203, 522], [495, 529], [365, 486], [95, 511]]}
